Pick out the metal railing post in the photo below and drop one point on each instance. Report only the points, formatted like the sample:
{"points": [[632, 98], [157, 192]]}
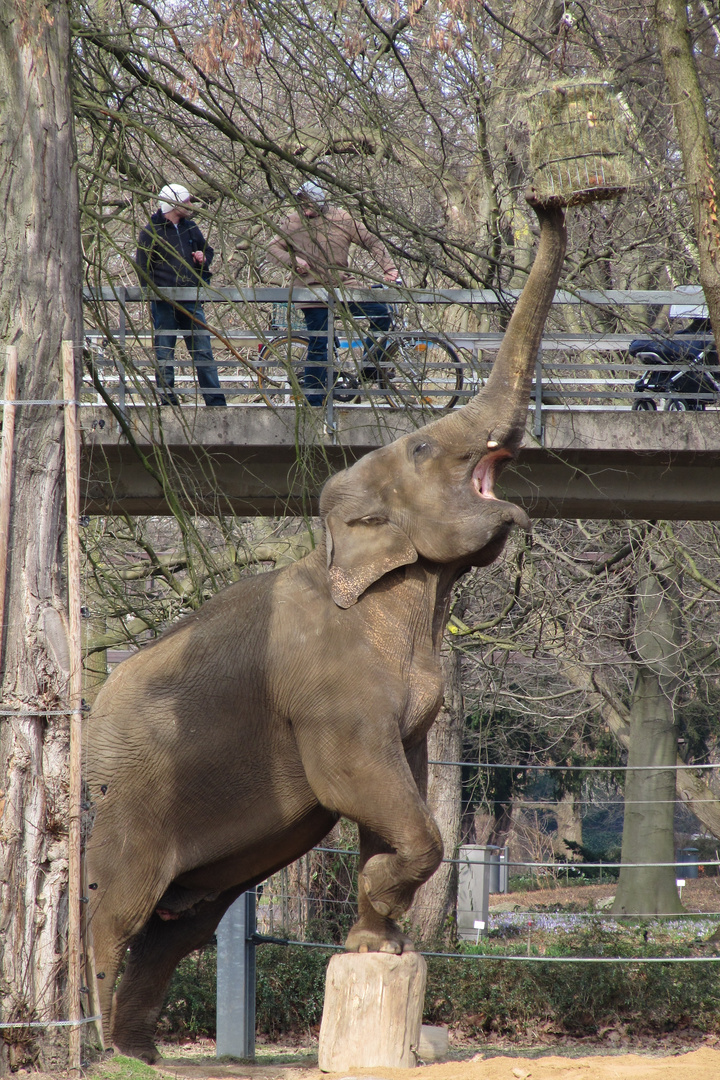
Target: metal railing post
{"points": [[537, 427], [236, 979], [330, 356], [122, 337]]}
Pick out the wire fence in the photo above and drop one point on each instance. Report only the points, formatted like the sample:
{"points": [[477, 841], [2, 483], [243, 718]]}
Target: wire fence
{"points": [[314, 904]]}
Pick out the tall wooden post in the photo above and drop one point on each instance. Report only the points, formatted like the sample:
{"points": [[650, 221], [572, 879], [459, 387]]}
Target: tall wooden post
{"points": [[6, 460], [72, 496]]}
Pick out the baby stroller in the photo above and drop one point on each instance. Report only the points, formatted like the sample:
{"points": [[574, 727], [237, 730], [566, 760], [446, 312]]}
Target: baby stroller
{"points": [[689, 379]]}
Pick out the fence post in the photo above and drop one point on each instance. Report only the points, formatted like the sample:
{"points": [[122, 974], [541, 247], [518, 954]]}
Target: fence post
{"points": [[537, 428], [122, 336], [72, 488], [6, 471], [330, 400], [473, 899], [236, 979]]}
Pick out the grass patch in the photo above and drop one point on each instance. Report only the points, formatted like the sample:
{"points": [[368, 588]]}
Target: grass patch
{"points": [[123, 1068], [268, 1055]]}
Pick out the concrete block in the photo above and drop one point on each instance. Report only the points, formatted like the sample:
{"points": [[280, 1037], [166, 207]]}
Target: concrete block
{"points": [[433, 1045]]}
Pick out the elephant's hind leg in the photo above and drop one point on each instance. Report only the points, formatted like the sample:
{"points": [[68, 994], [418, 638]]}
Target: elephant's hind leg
{"points": [[154, 954]]}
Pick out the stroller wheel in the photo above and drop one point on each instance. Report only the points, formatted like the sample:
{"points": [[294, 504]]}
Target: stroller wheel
{"points": [[644, 405], [677, 405]]}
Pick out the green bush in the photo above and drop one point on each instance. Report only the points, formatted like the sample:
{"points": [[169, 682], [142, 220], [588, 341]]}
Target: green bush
{"points": [[189, 1009], [290, 989], [511, 998], [483, 995], [290, 986]]}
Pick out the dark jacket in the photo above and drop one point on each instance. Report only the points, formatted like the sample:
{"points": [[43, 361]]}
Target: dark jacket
{"points": [[164, 254]]}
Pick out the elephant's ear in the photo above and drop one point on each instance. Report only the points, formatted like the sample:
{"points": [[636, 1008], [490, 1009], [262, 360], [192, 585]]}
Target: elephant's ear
{"points": [[360, 552]]}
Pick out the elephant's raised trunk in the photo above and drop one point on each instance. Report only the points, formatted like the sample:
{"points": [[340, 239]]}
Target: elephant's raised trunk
{"points": [[509, 383], [499, 410]]}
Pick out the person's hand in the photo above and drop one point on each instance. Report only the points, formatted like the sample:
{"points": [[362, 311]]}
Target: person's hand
{"points": [[302, 265], [199, 257], [392, 277]]}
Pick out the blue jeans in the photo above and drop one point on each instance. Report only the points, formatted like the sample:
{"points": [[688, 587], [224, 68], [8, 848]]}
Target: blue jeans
{"points": [[167, 316], [316, 367]]}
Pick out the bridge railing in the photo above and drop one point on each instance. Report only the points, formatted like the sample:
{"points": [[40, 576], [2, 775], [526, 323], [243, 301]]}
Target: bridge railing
{"points": [[581, 372]]}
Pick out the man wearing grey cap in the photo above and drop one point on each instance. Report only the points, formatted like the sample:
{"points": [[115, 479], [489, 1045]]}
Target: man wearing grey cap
{"points": [[314, 241], [173, 254]]}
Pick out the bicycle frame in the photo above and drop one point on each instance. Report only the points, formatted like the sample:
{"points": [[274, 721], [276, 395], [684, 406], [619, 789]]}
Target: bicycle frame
{"points": [[409, 369]]}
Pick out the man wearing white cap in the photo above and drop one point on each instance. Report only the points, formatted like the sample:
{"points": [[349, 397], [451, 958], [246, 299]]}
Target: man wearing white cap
{"points": [[315, 241], [173, 254]]}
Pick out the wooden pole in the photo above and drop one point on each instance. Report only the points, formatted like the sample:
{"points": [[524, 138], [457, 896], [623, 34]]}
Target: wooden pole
{"points": [[6, 464], [72, 499]]}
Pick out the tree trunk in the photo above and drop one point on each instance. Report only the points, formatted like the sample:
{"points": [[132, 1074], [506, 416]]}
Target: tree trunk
{"points": [[648, 829], [434, 904], [40, 305], [298, 898], [568, 814], [696, 145], [692, 787]]}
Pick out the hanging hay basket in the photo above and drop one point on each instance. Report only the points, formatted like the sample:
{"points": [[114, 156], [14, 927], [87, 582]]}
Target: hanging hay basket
{"points": [[579, 148]]}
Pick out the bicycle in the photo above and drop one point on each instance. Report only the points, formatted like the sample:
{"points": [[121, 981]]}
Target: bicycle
{"points": [[408, 369]]}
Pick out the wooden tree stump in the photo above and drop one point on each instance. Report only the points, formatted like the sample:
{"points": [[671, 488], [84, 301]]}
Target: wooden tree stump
{"points": [[372, 1012]]}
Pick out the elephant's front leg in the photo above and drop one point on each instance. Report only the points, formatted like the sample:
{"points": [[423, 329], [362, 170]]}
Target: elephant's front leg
{"points": [[377, 931], [400, 844], [376, 928]]}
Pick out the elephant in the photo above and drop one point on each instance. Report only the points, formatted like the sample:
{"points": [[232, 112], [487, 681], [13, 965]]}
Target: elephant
{"points": [[230, 746]]}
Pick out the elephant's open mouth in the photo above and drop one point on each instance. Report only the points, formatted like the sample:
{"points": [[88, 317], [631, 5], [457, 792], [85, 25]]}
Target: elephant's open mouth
{"points": [[486, 471]]}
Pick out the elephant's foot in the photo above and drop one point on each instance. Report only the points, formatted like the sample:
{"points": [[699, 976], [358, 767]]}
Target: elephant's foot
{"points": [[389, 897], [142, 1048], [375, 934]]}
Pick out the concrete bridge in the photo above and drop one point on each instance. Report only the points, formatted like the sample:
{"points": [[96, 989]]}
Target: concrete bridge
{"points": [[585, 453], [257, 460]]}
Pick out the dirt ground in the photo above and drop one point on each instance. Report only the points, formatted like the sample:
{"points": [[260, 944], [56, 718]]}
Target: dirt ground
{"points": [[570, 1064], [701, 895]]}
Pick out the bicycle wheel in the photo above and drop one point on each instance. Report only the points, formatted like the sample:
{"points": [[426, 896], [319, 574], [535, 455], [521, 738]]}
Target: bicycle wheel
{"points": [[422, 373], [280, 365]]}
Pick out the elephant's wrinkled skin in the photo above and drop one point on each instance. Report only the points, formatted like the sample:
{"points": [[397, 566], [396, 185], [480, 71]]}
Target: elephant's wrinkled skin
{"points": [[230, 747]]}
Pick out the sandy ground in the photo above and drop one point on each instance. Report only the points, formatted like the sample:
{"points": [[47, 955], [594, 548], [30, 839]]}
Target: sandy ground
{"points": [[700, 1064]]}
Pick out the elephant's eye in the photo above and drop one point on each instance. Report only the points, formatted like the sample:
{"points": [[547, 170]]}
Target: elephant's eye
{"points": [[421, 450]]}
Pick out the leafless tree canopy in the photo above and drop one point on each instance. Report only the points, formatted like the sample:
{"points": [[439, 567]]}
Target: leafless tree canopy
{"points": [[414, 117]]}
